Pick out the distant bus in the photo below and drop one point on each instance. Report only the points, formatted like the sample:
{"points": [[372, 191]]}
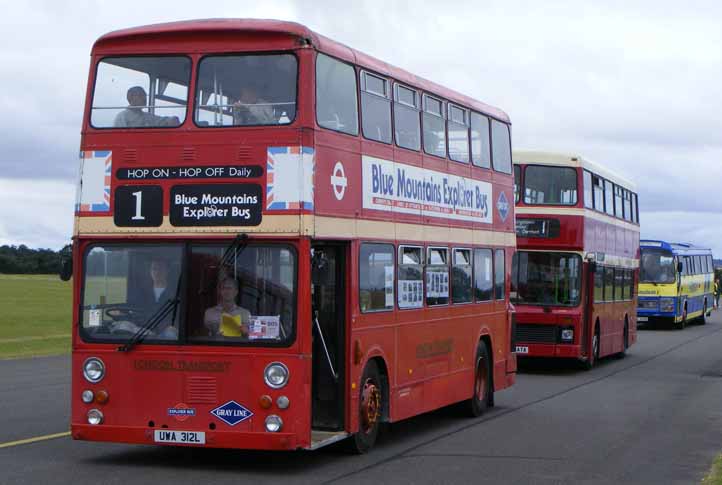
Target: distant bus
{"points": [[281, 242], [574, 273], [676, 283]]}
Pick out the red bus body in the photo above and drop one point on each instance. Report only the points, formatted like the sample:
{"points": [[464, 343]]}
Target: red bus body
{"points": [[425, 355], [602, 241]]}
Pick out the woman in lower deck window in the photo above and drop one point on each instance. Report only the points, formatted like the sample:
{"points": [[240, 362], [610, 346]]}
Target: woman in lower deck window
{"points": [[227, 318]]}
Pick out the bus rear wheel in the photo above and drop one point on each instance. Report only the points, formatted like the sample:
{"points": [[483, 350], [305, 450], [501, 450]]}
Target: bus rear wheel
{"points": [[703, 318], [483, 392], [370, 409]]}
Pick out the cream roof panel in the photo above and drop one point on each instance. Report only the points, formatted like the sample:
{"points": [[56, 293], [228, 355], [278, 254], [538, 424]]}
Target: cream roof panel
{"points": [[570, 160]]}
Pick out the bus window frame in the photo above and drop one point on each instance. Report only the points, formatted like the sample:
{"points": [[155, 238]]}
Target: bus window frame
{"points": [[399, 256], [388, 96], [426, 267], [470, 252], [356, 94], [416, 107], [442, 116], [395, 280], [197, 68], [191, 80], [467, 124]]}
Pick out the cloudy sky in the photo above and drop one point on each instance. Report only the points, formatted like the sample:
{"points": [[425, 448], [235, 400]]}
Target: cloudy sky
{"points": [[634, 85]]}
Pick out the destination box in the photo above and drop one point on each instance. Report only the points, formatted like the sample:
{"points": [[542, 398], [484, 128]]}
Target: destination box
{"points": [[197, 172], [216, 205]]}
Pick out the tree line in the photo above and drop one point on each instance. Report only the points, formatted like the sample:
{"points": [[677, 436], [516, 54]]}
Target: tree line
{"points": [[24, 260]]}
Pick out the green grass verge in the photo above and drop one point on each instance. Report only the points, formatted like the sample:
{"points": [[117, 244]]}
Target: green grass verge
{"points": [[35, 315], [714, 477]]}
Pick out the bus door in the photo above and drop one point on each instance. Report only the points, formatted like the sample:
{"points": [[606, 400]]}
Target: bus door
{"points": [[328, 314]]}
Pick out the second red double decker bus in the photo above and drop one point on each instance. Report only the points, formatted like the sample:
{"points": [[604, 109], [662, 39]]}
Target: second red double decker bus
{"points": [[575, 272], [281, 242]]}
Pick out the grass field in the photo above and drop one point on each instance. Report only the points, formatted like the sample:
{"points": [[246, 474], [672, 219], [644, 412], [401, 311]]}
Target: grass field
{"points": [[715, 474], [35, 315]]}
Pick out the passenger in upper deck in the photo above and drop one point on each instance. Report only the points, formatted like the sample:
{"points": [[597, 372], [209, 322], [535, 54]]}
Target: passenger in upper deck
{"points": [[252, 110], [134, 117]]}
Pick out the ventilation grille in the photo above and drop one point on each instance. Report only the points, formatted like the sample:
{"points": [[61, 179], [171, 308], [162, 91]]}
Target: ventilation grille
{"points": [[536, 333], [244, 154], [188, 154], [130, 155], [201, 390]]}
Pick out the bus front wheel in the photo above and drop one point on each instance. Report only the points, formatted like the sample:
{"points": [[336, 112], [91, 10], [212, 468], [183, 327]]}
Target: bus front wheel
{"points": [[483, 392], [593, 356], [370, 409]]}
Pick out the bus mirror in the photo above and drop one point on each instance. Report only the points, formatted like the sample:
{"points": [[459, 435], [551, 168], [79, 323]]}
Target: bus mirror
{"points": [[679, 266], [66, 268], [592, 266], [320, 271]]}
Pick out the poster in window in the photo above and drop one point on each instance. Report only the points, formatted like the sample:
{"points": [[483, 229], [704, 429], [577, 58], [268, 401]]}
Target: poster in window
{"points": [[410, 293], [389, 286], [264, 327]]}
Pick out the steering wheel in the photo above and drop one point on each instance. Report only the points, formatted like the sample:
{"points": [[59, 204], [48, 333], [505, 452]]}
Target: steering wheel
{"points": [[123, 313]]}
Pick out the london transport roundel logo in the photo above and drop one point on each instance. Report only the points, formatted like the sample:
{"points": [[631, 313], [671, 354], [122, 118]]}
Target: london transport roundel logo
{"points": [[339, 181]]}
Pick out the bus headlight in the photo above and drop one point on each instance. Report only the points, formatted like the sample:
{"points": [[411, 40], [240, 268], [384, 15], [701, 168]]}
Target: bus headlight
{"points": [[275, 375], [666, 304], [93, 370], [95, 416], [274, 423], [567, 335]]}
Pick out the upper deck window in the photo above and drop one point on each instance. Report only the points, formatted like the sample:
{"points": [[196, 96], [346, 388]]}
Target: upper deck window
{"points": [[618, 193], [434, 129], [545, 185], [458, 134], [598, 184], [517, 182], [501, 146], [588, 195], [609, 197], [140, 92], [246, 90], [336, 105], [407, 124], [480, 145], [376, 108]]}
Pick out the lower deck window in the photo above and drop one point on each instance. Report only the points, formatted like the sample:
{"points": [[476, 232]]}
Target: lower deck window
{"points": [[376, 277]]}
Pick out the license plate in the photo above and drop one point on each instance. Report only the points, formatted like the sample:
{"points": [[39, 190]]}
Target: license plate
{"points": [[182, 437], [642, 319], [522, 349]]}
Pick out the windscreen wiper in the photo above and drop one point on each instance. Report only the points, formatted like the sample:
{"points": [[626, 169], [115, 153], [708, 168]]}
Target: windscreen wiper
{"points": [[236, 246], [152, 322]]}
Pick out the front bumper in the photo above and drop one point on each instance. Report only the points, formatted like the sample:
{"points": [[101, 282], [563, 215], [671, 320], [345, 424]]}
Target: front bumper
{"points": [[214, 439]]}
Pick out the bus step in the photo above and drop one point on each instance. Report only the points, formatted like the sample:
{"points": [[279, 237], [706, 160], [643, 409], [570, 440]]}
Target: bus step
{"points": [[324, 438]]}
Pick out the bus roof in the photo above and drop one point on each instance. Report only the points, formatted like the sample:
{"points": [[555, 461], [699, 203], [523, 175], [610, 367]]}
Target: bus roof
{"points": [[570, 160], [319, 42], [677, 248]]}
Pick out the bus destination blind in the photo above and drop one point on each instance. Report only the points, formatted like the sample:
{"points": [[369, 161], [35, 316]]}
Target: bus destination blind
{"points": [[216, 205]]}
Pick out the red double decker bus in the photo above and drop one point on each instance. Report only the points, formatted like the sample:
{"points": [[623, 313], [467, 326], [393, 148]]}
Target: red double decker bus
{"points": [[574, 275], [281, 242]]}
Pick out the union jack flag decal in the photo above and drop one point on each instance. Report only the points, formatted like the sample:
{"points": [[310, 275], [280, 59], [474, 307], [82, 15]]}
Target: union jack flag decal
{"points": [[289, 178], [94, 185]]}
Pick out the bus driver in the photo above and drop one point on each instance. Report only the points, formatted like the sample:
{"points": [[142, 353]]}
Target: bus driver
{"points": [[134, 117]]}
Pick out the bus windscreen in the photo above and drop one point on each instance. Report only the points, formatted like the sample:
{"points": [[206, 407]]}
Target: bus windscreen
{"points": [[550, 185], [656, 266], [140, 92], [540, 278], [246, 90], [247, 298]]}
